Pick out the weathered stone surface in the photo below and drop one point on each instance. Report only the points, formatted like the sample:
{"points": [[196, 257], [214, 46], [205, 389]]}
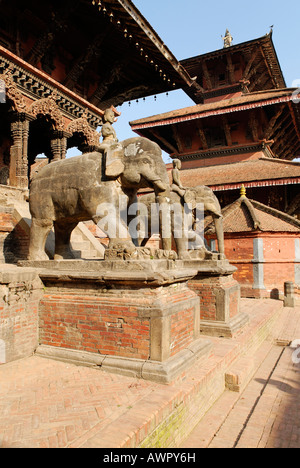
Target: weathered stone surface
{"points": [[161, 372], [94, 186]]}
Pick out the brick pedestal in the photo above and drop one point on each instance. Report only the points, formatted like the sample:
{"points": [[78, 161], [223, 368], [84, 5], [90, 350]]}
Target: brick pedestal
{"points": [[20, 292], [219, 295], [134, 321]]}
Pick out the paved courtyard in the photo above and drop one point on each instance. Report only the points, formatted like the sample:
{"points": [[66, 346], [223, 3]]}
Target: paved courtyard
{"points": [[265, 415], [49, 404]]}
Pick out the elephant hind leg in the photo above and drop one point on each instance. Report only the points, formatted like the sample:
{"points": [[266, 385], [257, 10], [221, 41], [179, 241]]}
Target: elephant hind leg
{"points": [[62, 240], [40, 228], [220, 233]]}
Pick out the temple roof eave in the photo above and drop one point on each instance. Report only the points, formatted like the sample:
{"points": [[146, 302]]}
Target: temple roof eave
{"points": [[262, 172], [201, 111]]}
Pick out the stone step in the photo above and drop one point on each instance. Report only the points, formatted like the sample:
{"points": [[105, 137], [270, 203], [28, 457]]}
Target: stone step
{"points": [[80, 245], [88, 254]]}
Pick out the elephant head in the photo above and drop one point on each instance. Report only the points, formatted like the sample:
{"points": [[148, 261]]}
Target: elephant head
{"points": [[138, 163]]}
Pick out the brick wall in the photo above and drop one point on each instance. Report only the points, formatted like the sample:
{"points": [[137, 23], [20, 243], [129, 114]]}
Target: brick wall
{"points": [[278, 262], [149, 323], [207, 295], [20, 292], [219, 297], [98, 325]]}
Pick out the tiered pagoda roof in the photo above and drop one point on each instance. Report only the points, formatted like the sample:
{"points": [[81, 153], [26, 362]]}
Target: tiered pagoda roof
{"points": [[258, 62], [285, 117], [261, 172]]}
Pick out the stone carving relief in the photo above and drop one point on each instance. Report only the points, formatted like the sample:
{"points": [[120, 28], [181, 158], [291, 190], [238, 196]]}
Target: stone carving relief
{"points": [[12, 92], [82, 125], [48, 107]]}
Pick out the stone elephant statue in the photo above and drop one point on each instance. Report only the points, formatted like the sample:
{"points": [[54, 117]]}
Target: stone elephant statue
{"points": [[90, 187], [197, 196]]}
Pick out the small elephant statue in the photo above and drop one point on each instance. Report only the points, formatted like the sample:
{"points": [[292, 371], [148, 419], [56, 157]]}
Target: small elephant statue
{"points": [[90, 187], [201, 196]]}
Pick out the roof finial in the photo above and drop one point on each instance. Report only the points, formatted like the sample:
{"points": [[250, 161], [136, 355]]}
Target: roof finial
{"points": [[243, 191], [227, 39]]}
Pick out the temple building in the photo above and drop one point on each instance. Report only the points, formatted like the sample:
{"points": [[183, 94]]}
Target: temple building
{"points": [[262, 243], [62, 64], [243, 129]]}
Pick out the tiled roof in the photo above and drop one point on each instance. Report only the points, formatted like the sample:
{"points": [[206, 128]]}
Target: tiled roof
{"points": [[243, 102], [250, 173], [246, 215]]}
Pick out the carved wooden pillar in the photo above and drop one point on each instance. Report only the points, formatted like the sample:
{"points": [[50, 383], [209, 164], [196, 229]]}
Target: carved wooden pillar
{"points": [[58, 144], [18, 174]]}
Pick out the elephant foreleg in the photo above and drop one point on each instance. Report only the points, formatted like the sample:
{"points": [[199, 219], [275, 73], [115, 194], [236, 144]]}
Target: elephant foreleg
{"points": [[62, 241], [39, 231], [116, 231]]}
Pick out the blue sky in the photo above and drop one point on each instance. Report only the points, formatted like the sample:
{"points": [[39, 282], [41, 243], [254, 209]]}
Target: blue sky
{"points": [[194, 27]]}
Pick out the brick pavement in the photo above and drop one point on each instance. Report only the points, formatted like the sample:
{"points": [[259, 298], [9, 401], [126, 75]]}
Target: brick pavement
{"points": [[45, 403], [49, 404], [267, 413]]}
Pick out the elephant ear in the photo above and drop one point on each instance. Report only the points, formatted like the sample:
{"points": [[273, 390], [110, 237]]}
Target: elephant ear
{"points": [[114, 165], [190, 197]]}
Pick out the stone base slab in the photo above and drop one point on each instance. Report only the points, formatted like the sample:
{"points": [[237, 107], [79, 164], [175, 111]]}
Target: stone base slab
{"points": [[223, 329], [160, 372]]}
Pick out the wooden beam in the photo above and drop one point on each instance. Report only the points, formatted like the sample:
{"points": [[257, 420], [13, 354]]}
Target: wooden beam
{"points": [[227, 131], [206, 75], [126, 95], [268, 68], [165, 142], [294, 119], [112, 75], [294, 206], [258, 80], [280, 137], [177, 138], [230, 69], [59, 21], [290, 154], [273, 121], [255, 69], [254, 126], [202, 135], [250, 63], [294, 154], [92, 51], [284, 139], [279, 124]]}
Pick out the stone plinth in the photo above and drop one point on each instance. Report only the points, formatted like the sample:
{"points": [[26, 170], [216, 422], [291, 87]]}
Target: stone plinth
{"points": [[219, 295], [21, 291], [135, 318]]}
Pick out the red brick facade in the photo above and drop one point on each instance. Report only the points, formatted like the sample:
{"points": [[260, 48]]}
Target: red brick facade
{"points": [[219, 297], [278, 261], [19, 308], [96, 325], [130, 324]]}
